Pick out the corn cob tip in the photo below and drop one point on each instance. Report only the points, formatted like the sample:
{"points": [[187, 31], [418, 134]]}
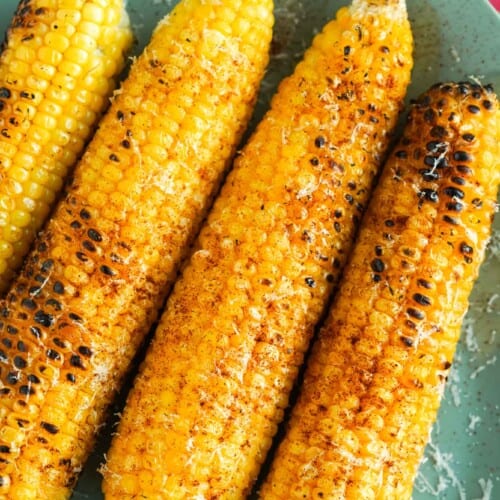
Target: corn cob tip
{"points": [[392, 8]]}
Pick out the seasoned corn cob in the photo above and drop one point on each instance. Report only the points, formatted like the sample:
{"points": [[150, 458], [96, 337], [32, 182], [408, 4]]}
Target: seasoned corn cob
{"points": [[213, 387], [376, 375], [93, 284], [57, 69]]}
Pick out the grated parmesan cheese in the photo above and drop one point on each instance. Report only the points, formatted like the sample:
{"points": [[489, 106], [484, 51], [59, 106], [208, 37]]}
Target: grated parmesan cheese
{"points": [[474, 420], [490, 361], [486, 489], [446, 477]]}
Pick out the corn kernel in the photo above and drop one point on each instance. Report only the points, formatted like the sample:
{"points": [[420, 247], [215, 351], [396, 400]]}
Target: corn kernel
{"points": [[19, 174], [105, 185], [18, 69], [112, 15], [64, 81], [7, 203], [49, 55], [92, 12], [108, 67], [98, 199], [28, 204], [42, 72], [6, 250], [71, 69], [91, 29], [37, 81], [20, 218], [77, 56], [60, 138], [72, 4], [8, 150], [26, 54], [50, 108], [76, 276], [45, 121], [84, 42], [57, 41], [95, 82], [69, 16], [12, 233]]}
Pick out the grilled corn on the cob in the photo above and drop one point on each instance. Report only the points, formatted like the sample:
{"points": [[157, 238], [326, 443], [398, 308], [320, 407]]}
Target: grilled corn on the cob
{"points": [[57, 69], [100, 270], [213, 387], [375, 378]]}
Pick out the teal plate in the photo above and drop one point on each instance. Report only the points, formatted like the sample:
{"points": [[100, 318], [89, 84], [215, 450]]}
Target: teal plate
{"points": [[454, 40]]}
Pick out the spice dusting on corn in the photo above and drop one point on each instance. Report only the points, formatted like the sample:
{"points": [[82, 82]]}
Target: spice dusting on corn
{"points": [[375, 378], [214, 385], [91, 287]]}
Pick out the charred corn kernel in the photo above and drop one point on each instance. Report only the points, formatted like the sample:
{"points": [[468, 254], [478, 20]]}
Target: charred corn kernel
{"points": [[42, 71], [91, 288], [395, 368], [217, 378]]}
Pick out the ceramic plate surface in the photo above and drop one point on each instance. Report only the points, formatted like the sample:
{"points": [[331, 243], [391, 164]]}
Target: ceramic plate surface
{"points": [[455, 40]]}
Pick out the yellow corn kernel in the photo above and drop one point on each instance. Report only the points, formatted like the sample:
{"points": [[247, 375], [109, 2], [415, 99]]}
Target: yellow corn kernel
{"points": [[70, 16], [77, 55], [74, 70], [397, 378], [57, 42], [90, 28], [26, 54], [12, 233], [38, 81], [84, 42], [49, 55], [7, 151], [5, 250], [92, 12], [18, 70], [20, 218], [43, 73], [262, 270]]}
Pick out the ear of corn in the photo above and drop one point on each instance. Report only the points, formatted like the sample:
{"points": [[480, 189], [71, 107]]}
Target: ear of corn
{"points": [[213, 387], [91, 288], [57, 69], [376, 375]]}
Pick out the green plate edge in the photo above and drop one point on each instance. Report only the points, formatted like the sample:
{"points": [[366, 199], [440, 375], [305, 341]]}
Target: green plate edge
{"points": [[454, 40]]}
